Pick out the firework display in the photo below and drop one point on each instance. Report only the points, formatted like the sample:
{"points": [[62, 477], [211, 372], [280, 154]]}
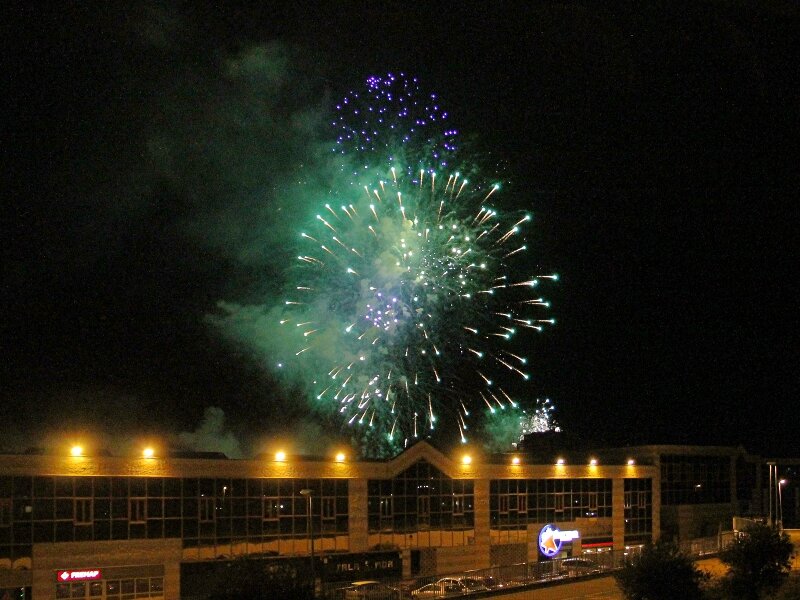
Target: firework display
{"points": [[391, 117], [409, 300], [540, 420]]}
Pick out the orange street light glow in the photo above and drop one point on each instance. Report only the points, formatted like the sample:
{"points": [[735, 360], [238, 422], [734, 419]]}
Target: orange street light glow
{"points": [[148, 453], [466, 459], [340, 457], [280, 456], [76, 451], [560, 461], [515, 460]]}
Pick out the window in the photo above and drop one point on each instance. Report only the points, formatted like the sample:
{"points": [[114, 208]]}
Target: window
{"points": [[424, 506], [137, 510], [271, 508], [559, 502], [420, 499], [207, 508], [387, 506], [458, 504], [522, 503], [641, 499], [5, 512], [328, 508], [82, 514], [592, 501], [503, 504]]}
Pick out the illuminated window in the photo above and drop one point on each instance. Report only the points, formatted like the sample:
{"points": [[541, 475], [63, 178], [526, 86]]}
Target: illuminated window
{"points": [[137, 510], [271, 508], [82, 511]]}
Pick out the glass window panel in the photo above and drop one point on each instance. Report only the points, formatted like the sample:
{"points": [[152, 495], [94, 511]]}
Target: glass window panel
{"points": [[155, 486], [172, 487], [43, 487], [138, 486]]}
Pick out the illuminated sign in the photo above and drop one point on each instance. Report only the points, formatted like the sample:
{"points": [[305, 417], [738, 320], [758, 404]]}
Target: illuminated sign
{"points": [[364, 565], [79, 575], [551, 538]]}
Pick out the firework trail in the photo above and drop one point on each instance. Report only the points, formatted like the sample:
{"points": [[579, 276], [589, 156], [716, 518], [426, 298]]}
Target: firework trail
{"points": [[410, 296]]}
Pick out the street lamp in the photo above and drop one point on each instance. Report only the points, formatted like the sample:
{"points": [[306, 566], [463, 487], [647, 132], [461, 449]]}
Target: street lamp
{"points": [[306, 493]]}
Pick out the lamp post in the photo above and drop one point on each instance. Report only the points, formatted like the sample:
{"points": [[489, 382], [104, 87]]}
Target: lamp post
{"points": [[306, 493], [773, 473], [780, 503]]}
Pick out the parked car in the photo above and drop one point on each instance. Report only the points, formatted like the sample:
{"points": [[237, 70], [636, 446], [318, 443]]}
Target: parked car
{"points": [[370, 590], [472, 584], [578, 566], [440, 589]]}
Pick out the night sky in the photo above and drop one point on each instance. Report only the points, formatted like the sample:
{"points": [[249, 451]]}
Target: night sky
{"points": [[144, 147]]}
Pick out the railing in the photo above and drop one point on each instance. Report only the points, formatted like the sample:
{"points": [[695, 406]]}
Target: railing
{"points": [[524, 574]]}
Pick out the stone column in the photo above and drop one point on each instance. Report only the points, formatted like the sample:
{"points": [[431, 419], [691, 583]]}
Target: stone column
{"points": [[482, 537], [358, 518], [618, 513]]}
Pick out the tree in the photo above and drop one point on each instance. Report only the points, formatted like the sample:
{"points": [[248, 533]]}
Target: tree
{"points": [[660, 572], [790, 590], [759, 561]]}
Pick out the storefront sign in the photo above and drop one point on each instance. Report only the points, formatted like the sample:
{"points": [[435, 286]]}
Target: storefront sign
{"points": [[79, 575], [551, 538], [365, 565]]}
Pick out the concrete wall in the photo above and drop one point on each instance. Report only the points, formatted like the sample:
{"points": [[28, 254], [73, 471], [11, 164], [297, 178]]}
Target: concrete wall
{"points": [[689, 521]]}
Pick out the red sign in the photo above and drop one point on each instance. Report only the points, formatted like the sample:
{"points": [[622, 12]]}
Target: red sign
{"points": [[79, 575]]}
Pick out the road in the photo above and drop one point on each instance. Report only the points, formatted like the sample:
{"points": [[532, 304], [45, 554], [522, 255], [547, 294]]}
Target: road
{"points": [[602, 588]]}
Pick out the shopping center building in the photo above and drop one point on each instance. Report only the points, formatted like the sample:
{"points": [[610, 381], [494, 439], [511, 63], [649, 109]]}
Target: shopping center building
{"points": [[141, 527]]}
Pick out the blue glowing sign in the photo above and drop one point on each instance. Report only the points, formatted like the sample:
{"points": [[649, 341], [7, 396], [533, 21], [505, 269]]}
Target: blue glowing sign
{"points": [[551, 538]]}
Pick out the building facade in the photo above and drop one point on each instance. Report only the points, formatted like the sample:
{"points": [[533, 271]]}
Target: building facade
{"points": [[701, 487], [124, 528]]}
